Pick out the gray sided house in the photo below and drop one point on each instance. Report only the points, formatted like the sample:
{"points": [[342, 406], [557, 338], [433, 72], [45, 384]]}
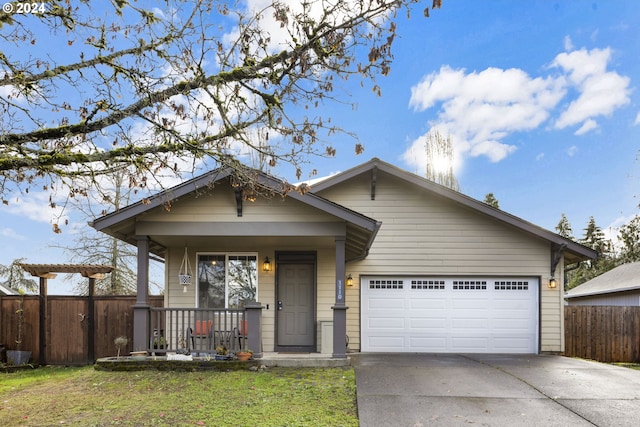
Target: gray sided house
{"points": [[374, 259], [619, 286]]}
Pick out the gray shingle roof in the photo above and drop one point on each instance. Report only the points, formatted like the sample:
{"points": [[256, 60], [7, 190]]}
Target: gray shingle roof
{"points": [[623, 278]]}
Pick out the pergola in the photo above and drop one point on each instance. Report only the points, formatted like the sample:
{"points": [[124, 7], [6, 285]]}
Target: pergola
{"points": [[49, 271]]}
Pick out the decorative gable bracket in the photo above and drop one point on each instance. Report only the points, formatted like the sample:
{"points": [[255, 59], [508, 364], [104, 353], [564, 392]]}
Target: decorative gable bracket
{"points": [[239, 198], [374, 178]]}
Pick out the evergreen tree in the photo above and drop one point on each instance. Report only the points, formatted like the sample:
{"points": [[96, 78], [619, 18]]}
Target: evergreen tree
{"points": [[595, 239], [564, 228], [630, 237], [492, 201]]}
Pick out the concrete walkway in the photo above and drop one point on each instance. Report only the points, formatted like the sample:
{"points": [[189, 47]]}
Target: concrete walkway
{"points": [[493, 390]]}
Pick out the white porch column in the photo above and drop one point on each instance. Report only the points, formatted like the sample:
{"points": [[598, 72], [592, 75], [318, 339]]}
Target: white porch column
{"points": [[141, 307], [340, 309]]}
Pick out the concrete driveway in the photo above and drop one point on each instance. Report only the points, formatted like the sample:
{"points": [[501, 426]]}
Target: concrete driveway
{"points": [[493, 390]]}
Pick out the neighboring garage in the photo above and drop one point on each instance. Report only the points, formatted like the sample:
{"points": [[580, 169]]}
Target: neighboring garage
{"points": [[449, 314]]}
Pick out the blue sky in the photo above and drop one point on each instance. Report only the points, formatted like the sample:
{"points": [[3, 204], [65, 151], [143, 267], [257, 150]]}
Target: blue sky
{"points": [[540, 97]]}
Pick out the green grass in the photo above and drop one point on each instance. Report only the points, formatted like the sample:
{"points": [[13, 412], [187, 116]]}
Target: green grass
{"points": [[85, 397]]}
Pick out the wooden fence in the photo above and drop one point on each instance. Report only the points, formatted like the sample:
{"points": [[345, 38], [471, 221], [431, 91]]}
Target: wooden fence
{"points": [[602, 333], [66, 326]]}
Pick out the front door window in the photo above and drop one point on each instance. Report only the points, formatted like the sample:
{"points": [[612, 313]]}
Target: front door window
{"points": [[227, 280]]}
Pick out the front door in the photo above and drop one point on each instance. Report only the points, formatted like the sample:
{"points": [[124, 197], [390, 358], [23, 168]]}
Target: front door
{"points": [[295, 304]]}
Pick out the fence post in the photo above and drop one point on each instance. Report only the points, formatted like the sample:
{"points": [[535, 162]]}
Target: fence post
{"points": [[42, 329]]}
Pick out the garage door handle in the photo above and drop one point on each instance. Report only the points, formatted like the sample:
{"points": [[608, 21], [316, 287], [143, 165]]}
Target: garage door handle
{"points": [[279, 305]]}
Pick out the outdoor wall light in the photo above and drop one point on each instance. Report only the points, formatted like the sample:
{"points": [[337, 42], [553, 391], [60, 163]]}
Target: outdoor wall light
{"points": [[552, 283], [266, 265], [349, 281]]}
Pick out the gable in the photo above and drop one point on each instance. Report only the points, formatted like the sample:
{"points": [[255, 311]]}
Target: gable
{"points": [[362, 186], [210, 206], [219, 204], [422, 230]]}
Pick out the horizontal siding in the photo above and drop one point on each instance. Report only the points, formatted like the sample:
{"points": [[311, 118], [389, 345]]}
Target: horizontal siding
{"points": [[426, 234], [175, 297], [219, 205], [621, 299]]}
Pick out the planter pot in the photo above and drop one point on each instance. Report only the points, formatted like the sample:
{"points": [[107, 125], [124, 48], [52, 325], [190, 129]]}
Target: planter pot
{"points": [[184, 279], [243, 356], [138, 355], [17, 358]]}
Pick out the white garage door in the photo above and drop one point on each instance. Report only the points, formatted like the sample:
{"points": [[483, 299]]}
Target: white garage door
{"points": [[449, 315]]}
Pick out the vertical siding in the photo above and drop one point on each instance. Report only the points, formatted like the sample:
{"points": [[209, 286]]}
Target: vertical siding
{"points": [[426, 234]]}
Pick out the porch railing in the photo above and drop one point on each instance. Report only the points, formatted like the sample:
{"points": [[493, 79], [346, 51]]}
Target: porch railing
{"points": [[196, 330]]}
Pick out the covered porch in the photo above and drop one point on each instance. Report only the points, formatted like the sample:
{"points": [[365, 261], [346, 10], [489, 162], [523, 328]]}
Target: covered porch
{"points": [[227, 238]]}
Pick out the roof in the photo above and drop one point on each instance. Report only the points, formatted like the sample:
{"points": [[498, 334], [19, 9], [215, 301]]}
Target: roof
{"points": [[573, 252], [360, 229], [621, 279], [4, 290], [86, 270]]}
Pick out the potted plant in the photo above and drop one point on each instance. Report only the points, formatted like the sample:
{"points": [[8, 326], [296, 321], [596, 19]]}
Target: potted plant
{"points": [[120, 342], [18, 356], [222, 352], [244, 355]]}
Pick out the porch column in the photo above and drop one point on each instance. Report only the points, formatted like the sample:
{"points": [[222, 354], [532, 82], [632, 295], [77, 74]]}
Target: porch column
{"points": [[141, 307], [340, 309], [253, 310]]}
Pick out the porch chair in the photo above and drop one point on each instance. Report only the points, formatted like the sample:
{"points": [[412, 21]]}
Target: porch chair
{"points": [[203, 329], [241, 334]]}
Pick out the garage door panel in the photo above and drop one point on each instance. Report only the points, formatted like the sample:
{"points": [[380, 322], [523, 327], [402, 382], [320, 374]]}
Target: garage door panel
{"points": [[469, 324], [423, 324], [386, 303], [385, 324], [424, 314], [465, 303], [424, 303]]}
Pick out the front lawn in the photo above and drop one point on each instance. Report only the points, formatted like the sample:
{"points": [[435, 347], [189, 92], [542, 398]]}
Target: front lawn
{"points": [[85, 397]]}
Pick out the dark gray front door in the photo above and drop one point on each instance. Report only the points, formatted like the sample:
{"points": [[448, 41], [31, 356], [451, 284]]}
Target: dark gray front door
{"points": [[295, 306]]}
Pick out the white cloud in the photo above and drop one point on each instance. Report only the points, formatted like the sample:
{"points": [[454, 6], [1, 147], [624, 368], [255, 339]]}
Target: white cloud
{"points": [[540, 156], [481, 109], [637, 122], [11, 234], [571, 151], [568, 44], [35, 207], [587, 126], [601, 91]]}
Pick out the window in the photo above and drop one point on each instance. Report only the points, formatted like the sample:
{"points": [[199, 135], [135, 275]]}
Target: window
{"points": [[227, 280]]}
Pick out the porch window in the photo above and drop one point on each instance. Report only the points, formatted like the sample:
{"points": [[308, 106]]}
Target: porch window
{"points": [[227, 280]]}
